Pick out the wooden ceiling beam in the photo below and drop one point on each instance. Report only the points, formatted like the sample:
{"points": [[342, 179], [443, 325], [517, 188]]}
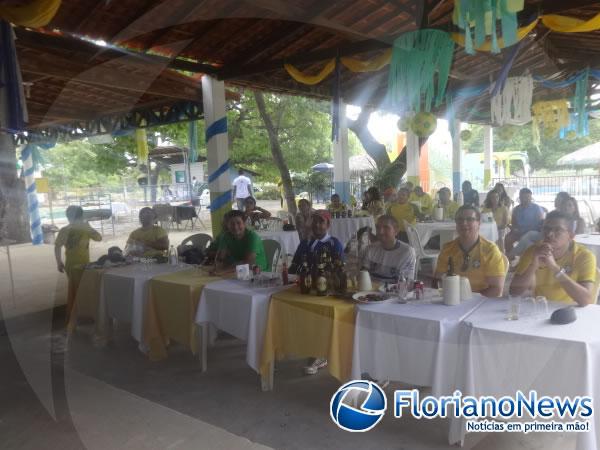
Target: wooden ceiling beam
{"points": [[560, 6], [28, 38]]}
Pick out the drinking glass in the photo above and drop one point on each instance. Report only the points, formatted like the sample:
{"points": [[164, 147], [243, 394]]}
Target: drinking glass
{"points": [[541, 306], [514, 307]]}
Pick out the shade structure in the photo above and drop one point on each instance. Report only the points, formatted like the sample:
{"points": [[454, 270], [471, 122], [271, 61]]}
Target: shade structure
{"points": [[322, 167], [584, 157]]}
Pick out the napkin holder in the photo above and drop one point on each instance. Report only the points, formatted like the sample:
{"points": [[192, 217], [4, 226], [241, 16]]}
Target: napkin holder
{"points": [[243, 272], [451, 290], [438, 214]]}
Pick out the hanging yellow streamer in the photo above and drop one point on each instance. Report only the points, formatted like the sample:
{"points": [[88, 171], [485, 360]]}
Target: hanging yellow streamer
{"points": [[563, 24], [353, 64], [310, 79], [35, 14], [141, 142], [373, 65]]}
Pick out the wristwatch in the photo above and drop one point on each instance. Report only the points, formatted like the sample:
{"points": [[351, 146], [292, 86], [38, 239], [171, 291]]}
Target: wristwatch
{"points": [[560, 273]]}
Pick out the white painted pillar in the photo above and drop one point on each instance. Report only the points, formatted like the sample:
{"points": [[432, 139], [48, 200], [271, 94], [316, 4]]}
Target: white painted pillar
{"points": [[456, 156], [215, 120], [488, 151], [412, 158], [341, 159]]}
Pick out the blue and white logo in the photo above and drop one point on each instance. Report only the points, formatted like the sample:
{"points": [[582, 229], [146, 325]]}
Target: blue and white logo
{"points": [[360, 418]]}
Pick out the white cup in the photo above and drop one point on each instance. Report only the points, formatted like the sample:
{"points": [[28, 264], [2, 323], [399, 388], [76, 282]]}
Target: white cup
{"points": [[364, 281], [243, 272]]}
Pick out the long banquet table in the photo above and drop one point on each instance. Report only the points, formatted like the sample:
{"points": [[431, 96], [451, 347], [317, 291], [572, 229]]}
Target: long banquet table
{"points": [[500, 357]]}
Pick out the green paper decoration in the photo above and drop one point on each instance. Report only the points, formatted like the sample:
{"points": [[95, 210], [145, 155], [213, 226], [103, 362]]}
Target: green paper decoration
{"points": [[465, 135], [480, 16], [417, 57], [424, 124], [404, 123]]}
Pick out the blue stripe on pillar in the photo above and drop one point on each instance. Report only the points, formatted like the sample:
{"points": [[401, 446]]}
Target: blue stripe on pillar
{"points": [[217, 127], [220, 171], [220, 201], [342, 188]]}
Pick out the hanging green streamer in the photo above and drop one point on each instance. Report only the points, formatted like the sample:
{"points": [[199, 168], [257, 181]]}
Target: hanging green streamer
{"points": [[480, 17], [580, 102], [416, 58], [193, 140]]}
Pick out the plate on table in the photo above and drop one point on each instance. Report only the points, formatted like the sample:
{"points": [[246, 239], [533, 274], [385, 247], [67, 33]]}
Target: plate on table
{"points": [[373, 298]]}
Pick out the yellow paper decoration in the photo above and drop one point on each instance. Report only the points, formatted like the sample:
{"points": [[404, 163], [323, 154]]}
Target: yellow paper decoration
{"points": [[141, 142], [35, 14], [552, 114], [310, 79], [373, 65], [353, 64], [563, 24]]}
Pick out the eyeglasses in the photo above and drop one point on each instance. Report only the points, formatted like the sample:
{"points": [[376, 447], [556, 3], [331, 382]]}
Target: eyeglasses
{"points": [[466, 219]]}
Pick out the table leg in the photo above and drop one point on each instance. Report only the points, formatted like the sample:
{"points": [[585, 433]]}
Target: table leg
{"points": [[202, 345], [266, 382]]}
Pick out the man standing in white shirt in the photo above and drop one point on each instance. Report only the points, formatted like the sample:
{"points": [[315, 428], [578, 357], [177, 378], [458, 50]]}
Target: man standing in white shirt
{"points": [[242, 188]]}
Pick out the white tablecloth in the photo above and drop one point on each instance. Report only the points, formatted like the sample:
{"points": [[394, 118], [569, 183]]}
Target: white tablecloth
{"points": [[124, 293], [237, 309], [592, 242], [426, 230], [413, 343], [502, 357], [344, 229], [289, 240]]}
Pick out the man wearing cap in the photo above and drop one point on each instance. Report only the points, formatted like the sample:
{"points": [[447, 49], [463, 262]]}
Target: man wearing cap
{"points": [[321, 240], [557, 267]]}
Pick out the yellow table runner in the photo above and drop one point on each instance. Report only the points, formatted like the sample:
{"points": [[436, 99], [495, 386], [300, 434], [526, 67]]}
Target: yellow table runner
{"points": [[307, 325], [171, 310]]}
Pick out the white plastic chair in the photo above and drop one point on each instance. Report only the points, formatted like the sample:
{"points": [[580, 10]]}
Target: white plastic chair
{"points": [[415, 242], [272, 252]]}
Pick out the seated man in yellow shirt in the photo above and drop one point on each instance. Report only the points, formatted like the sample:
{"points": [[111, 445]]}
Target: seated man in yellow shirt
{"points": [[446, 202], [418, 195], [336, 205], [473, 256], [149, 240], [557, 267], [402, 211]]}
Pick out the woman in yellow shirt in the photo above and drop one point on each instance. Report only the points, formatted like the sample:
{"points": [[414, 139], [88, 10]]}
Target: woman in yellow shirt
{"points": [[500, 212], [149, 240], [557, 267]]}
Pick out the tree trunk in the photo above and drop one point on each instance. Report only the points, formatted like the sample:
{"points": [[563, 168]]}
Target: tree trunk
{"points": [[14, 220], [286, 179], [392, 172]]}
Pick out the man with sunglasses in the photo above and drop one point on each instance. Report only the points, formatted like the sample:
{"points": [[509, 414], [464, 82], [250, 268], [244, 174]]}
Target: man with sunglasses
{"points": [[473, 256], [557, 267]]}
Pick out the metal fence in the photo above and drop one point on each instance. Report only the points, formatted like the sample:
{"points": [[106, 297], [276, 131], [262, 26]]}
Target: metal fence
{"points": [[580, 185]]}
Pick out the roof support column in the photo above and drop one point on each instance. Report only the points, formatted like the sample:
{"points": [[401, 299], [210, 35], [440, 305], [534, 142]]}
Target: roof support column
{"points": [[341, 159], [412, 158], [488, 151], [217, 149], [456, 156]]}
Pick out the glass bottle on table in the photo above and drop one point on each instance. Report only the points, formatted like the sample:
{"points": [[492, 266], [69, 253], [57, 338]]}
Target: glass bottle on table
{"points": [[321, 282], [305, 277]]}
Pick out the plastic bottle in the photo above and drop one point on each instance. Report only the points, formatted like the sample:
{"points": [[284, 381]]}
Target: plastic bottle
{"points": [[284, 274], [173, 257]]}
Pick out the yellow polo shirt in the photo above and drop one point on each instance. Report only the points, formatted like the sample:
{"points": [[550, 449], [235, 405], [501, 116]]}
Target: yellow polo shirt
{"points": [[485, 261], [579, 264], [500, 215], [402, 213], [425, 202], [146, 236], [450, 210]]}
